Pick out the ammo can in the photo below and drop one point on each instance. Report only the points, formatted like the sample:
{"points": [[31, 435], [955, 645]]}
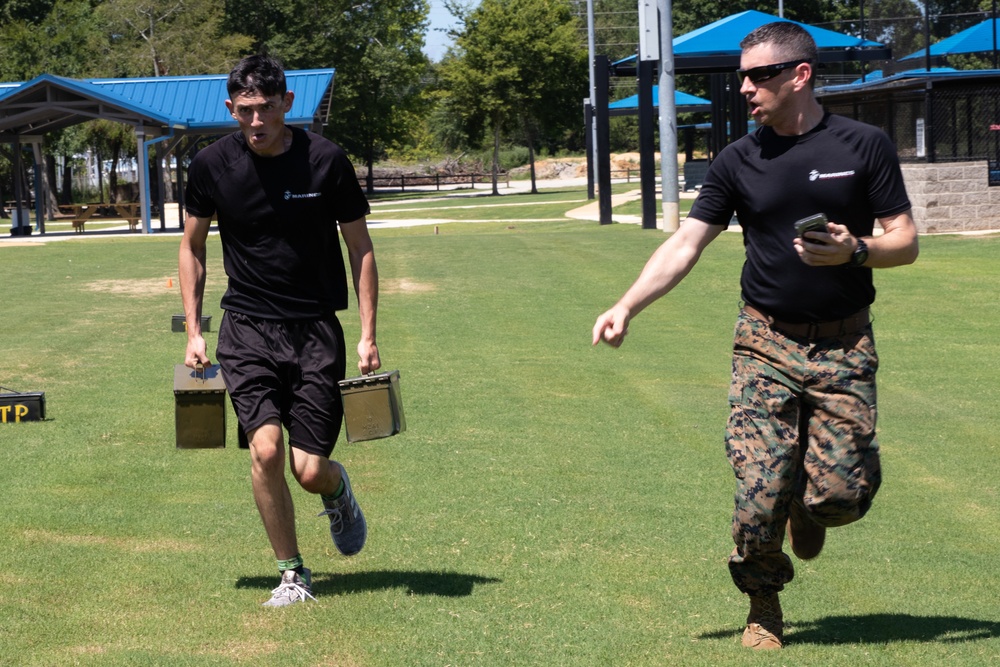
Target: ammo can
{"points": [[19, 406], [373, 407], [200, 407], [178, 323]]}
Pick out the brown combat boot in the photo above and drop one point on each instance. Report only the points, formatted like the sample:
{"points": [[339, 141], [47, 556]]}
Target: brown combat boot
{"points": [[764, 623], [805, 536]]}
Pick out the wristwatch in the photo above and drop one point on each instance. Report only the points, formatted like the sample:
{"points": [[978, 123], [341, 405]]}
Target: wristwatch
{"points": [[860, 255]]}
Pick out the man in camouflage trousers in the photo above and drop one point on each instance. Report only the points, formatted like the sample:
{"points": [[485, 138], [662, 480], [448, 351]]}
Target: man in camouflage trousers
{"points": [[801, 433]]}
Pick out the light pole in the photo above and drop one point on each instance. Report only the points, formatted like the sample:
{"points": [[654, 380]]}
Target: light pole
{"points": [[668, 120], [592, 157]]}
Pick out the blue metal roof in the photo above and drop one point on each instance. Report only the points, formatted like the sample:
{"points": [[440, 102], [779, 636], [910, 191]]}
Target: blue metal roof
{"points": [[878, 74], [184, 103], [681, 99], [198, 102], [980, 38], [8, 88], [168, 105], [936, 73], [723, 37]]}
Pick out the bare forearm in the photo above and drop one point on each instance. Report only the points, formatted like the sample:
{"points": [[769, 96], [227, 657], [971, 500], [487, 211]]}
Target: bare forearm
{"points": [[191, 272], [365, 273], [897, 247], [667, 266]]}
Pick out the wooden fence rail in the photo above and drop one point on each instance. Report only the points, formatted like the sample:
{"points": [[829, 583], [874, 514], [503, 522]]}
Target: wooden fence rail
{"points": [[403, 181]]}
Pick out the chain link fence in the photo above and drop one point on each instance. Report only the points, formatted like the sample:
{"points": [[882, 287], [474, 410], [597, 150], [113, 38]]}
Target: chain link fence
{"points": [[955, 120]]}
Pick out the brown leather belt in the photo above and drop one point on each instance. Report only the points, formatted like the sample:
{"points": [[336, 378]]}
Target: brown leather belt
{"points": [[812, 330]]}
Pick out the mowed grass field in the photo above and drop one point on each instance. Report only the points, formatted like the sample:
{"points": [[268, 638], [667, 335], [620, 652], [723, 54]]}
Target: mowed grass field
{"points": [[550, 503]]}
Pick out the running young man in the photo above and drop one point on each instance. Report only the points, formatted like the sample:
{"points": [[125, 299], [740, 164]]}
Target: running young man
{"points": [[801, 435], [280, 194]]}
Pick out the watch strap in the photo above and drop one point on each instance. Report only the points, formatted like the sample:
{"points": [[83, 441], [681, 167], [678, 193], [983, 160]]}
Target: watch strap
{"points": [[860, 255]]}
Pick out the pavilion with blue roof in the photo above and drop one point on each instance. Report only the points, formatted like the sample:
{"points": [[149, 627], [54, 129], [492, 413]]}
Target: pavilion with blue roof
{"points": [[163, 110], [712, 49], [715, 47], [684, 103]]}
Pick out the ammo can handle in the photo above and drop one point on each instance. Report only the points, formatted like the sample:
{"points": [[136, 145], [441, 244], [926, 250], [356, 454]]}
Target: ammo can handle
{"points": [[199, 371]]}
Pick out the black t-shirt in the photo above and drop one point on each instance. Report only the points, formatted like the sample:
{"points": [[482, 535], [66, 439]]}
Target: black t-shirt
{"points": [[278, 222], [843, 168]]}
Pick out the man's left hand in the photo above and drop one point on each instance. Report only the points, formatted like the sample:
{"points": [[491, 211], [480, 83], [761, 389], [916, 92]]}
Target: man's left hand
{"points": [[831, 248]]}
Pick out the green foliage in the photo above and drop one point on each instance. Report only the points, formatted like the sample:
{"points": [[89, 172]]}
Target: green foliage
{"points": [[375, 48], [24, 10], [623, 134], [377, 96], [84, 38], [508, 157], [61, 41], [518, 66], [161, 37]]}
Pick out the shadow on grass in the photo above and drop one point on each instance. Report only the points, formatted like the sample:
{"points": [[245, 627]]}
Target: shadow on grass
{"points": [[881, 629], [445, 584]]}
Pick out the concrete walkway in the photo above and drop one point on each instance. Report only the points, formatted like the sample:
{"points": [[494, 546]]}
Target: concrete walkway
{"points": [[592, 210]]}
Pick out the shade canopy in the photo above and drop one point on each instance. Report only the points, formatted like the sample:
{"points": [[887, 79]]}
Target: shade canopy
{"points": [[716, 46], [683, 101], [723, 37], [977, 39], [878, 74]]}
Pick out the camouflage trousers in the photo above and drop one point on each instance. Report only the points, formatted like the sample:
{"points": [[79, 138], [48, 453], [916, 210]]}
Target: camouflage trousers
{"points": [[801, 426]]}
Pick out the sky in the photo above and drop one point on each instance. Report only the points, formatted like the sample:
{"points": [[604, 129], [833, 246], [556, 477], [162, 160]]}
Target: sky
{"points": [[437, 42]]}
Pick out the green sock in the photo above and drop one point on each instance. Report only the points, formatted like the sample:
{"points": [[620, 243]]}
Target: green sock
{"points": [[336, 494], [291, 564]]}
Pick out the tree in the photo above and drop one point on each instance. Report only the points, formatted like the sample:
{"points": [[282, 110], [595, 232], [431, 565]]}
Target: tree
{"points": [[377, 91], [893, 22], [110, 141], [24, 10], [517, 65], [62, 41], [375, 47], [160, 37], [57, 40]]}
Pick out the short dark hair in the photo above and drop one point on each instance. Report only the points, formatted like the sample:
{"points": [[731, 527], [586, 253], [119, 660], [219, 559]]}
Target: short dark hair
{"points": [[790, 42], [257, 74]]}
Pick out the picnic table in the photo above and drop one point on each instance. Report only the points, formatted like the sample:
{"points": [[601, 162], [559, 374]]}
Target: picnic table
{"points": [[10, 204], [79, 214], [131, 212]]}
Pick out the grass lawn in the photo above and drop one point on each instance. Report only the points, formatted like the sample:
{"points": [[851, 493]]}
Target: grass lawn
{"points": [[550, 503]]}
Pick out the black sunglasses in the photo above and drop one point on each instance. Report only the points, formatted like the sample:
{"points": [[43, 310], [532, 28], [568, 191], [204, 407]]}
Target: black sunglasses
{"points": [[765, 72]]}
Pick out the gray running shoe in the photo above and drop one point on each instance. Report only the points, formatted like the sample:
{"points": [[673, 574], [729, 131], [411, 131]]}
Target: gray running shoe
{"points": [[293, 588], [347, 521]]}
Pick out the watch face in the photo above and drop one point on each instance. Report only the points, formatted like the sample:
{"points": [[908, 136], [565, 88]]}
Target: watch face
{"points": [[860, 255]]}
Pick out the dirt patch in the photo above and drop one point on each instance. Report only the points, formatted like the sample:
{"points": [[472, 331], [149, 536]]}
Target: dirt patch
{"points": [[147, 287], [550, 169], [19, 244], [404, 286], [556, 168]]}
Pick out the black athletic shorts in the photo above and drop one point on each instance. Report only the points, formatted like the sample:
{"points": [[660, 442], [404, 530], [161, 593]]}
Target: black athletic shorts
{"points": [[286, 370]]}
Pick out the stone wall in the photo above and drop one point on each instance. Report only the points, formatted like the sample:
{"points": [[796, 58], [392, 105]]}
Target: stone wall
{"points": [[952, 196]]}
